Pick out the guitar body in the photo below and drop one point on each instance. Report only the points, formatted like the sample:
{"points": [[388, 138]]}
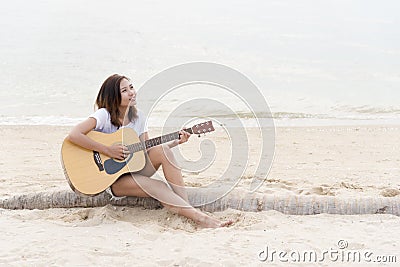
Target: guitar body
{"points": [[90, 172]]}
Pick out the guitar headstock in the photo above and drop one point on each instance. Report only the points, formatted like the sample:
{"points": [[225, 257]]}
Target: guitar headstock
{"points": [[201, 128]]}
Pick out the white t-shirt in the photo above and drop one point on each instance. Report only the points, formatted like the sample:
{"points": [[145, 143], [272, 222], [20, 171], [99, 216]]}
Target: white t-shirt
{"points": [[104, 125]]}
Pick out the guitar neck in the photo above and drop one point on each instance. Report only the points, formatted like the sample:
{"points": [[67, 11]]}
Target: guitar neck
{"points": [[156, 141]]}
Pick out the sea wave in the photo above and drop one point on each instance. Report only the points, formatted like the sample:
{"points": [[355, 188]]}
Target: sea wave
{"points": [[37, 120], [247, 119], [366, 109]]}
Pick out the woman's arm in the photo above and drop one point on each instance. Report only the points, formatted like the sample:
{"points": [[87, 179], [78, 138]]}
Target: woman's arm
{"points": [[78, 136]]}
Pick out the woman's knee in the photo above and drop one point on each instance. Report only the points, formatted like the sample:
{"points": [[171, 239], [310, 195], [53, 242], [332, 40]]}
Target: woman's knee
{"points": [[169, 154], [162, 153]]}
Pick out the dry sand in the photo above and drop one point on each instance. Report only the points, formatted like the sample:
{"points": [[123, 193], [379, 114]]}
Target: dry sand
{"points": [[342, 161]]}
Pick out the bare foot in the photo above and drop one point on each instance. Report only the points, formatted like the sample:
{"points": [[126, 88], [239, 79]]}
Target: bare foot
{"points": [[209, 222], [227, 223]]}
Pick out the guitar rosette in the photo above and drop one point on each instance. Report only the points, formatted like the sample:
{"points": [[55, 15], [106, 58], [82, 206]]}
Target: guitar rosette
{"points": [[239, 154]]}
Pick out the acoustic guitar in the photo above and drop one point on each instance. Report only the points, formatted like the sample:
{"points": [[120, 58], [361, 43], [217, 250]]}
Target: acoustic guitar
{"points": [[90, 172]]}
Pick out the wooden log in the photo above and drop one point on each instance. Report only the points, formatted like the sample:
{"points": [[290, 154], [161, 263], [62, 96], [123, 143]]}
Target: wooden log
{"points": [[69, 199], [293, 204]]}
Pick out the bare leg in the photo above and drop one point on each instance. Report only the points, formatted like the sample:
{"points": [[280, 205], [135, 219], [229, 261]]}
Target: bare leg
{"points": [[163, 156], [142, 186]]}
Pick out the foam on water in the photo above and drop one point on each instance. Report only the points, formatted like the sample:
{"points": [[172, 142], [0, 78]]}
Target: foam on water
{"points": [[50, 120], [245, 121]]}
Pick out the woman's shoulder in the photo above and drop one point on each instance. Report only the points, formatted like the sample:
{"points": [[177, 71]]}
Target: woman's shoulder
{"points": [[102, 112]]}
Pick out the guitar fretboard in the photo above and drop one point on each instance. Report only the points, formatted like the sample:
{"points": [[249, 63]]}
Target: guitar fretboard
{"points": [[155, 141], [161, 139]]}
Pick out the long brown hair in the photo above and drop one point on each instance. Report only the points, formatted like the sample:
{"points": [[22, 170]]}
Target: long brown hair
{"points": [[109, 97]]}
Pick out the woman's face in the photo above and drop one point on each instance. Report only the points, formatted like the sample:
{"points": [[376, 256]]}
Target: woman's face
{"points": [[128, 93]]}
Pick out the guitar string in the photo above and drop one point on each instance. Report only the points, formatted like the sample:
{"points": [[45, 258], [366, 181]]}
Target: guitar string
{"points": [[160, 140], [153, 142]]}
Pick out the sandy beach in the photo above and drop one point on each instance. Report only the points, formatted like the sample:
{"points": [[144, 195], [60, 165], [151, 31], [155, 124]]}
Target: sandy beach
{"points": [[343, 161]]}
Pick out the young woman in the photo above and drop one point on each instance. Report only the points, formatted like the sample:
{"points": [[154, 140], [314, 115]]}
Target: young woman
{"points": [[116, 102]]}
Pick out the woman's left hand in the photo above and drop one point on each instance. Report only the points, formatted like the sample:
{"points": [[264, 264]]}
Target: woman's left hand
{"points": [[184, 136]]}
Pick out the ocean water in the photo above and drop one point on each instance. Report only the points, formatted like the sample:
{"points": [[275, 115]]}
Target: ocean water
{"points": [[315, 62]]}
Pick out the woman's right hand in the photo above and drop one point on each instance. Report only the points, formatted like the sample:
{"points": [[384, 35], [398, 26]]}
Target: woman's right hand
{"points": [[117, 151]]}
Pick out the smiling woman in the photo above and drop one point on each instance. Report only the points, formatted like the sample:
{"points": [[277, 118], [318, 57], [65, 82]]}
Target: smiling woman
{"points": [[118, 97], [116, 102]]}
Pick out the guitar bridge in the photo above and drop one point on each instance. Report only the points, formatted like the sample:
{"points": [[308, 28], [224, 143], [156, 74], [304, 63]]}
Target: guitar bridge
{"points": [[97, 160]]}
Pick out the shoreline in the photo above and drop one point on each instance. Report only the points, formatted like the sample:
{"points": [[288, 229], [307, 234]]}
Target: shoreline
{"points": [[246, 121]]}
